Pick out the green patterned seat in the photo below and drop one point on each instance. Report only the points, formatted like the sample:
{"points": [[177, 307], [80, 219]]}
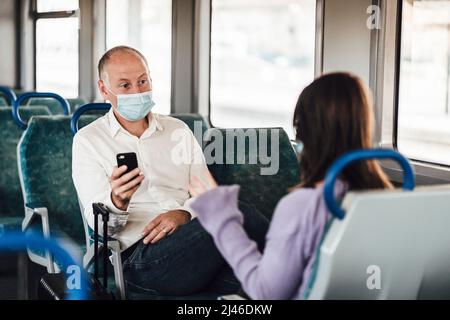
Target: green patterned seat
{"points": [[76, 103], [11, 203], [45, 159], [2, 102], [53, 105], [194, 121], [263, 191]]}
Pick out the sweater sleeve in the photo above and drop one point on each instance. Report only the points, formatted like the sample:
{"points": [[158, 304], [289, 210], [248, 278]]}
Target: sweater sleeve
{"points": [[277, 273]]}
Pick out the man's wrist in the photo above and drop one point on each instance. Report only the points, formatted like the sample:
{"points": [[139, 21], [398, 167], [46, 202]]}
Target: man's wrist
{"points": [[187, 214], [120, 205]]}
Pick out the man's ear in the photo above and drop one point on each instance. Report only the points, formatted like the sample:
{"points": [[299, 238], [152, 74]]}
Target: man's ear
{"points": [[102, 89]]}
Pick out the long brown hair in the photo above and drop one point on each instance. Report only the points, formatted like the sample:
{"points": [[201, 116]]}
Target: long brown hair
{"points": [[333, 116]]}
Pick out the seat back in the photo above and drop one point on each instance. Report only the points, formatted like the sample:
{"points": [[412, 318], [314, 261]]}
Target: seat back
{"points": [[76, 103], [385, 244], [55, 103], [248, 166], [51, 104], [195, 122], [92, 110], [10, 193], [45, 166], [391, 245]]}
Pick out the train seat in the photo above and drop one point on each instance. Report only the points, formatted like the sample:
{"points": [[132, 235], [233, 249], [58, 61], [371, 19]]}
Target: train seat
{"points": [[402, 238], [76, 103], [263, 191], [45, 161], [53, 105], [11, 203], [386, 245], [196, 122]]}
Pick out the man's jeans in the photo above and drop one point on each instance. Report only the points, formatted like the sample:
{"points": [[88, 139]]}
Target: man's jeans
{"points": [[187, 262]]}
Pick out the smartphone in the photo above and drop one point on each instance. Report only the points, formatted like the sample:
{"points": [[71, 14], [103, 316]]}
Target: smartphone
{"points": [[127, 159]]}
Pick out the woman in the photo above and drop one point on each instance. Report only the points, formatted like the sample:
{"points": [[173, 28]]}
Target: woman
{"points": [[333, 116]]}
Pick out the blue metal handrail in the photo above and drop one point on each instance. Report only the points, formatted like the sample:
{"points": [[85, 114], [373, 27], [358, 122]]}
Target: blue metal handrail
{"points": [[86, 108], [351, 157], [29, 95], [18, 242], [9, 94]]}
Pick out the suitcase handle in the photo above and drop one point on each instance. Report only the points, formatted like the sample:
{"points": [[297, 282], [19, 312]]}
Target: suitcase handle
{"points": [[100, 209]]}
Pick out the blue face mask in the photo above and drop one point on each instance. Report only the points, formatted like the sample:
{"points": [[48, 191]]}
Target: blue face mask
{"points": [[298, 147], [135, 107]]}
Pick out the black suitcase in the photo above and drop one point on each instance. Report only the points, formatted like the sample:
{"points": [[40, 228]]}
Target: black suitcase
{"points": [[53, 286]]}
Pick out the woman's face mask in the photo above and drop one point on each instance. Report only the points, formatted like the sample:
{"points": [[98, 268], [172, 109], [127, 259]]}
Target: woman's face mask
{"points": [[298, 147], [134, 107]]}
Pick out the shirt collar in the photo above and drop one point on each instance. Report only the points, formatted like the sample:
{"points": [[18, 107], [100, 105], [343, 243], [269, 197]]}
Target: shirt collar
{"points": [[153, 119]]}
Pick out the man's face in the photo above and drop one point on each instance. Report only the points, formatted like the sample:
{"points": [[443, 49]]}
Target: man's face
{"points": [[125, 73]]}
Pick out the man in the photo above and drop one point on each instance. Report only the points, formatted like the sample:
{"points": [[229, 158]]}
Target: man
{"points": [[165, 250]]}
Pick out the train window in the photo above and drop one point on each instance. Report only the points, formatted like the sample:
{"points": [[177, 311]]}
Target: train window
{"points": [[424, 90], [57, 48], [147, 26], [57, 5], [262, 56]]}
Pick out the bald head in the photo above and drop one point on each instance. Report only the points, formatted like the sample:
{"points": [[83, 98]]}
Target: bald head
{"points": [[117, 53], [123, 70]]}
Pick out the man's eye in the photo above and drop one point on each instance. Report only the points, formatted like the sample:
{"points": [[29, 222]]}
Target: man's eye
{"points": [[125, 85], [142, 82]]}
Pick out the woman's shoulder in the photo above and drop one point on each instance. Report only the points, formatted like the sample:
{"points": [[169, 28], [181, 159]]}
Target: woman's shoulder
{"points": [[298, 205], [302, 196]]}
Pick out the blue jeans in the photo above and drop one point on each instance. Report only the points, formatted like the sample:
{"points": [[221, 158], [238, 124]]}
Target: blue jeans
{"points": [[187, 262]]}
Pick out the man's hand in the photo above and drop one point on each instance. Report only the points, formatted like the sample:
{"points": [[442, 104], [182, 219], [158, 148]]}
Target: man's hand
{"points": [[165, 224], [123, 186]]}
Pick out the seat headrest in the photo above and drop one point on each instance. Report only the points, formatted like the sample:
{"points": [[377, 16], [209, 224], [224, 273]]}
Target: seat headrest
{"points": [[262, 161]]}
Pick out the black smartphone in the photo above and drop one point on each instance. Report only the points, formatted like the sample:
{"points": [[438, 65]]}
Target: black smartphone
{"points": [[127, 159]]}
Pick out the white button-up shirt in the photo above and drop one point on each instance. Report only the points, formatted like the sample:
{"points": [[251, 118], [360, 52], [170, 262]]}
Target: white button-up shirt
{"points": [[168, 155]]}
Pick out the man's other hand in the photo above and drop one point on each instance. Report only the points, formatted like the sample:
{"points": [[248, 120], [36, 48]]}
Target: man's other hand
{"points": [[165, 224], [123, 186]]}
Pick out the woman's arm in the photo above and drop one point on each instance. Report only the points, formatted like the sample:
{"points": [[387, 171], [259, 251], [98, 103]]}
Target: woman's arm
{"points": [[277, 273]]}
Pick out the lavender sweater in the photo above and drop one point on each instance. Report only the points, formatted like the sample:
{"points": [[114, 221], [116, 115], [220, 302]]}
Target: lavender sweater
{"points": [[283, 270]]}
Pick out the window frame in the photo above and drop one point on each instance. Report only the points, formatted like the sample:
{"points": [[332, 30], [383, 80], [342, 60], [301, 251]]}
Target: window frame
{"points": [[395, 137], [35, 15], [386, 93], [174, 29]]}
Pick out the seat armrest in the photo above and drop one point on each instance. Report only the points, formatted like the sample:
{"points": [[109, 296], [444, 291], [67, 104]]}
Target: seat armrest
{"points": [[31, 211]]}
